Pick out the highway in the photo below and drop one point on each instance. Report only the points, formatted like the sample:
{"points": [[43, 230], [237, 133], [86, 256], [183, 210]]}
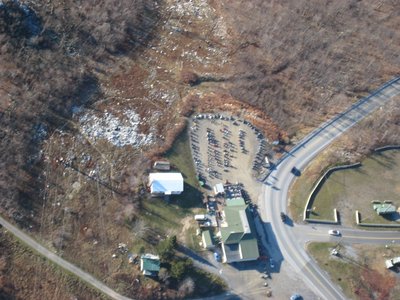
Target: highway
{"points": [[61, 262], [275, 192]]}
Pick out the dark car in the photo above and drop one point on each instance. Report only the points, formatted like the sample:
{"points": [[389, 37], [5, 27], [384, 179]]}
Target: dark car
{"points": [[296, 297], [283, 217], [296, 172]]}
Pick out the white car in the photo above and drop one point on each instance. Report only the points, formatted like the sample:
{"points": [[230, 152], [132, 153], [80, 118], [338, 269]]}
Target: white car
{"points": [[334, 232], [271, 263]]}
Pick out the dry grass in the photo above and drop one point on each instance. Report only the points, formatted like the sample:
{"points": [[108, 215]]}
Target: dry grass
{"points": [[359, 270], [25, 275]]}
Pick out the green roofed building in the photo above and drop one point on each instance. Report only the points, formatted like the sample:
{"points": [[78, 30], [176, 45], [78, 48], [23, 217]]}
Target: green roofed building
{"points": [[238, 238], [384, 208], [207, 239], [235, 201], [150, 264]]}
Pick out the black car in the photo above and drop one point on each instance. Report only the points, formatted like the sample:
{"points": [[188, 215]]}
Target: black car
{"points": [[283, 217]]}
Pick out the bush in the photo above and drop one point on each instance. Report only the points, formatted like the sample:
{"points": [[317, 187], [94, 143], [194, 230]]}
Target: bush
{"points": [[179, 268], [166, 248]]}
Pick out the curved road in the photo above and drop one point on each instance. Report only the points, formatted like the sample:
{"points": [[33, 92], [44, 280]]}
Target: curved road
{"points": [[61, 262], [278, 181]]}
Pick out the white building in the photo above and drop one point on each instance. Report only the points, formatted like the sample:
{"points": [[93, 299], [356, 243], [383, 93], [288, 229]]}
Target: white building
{"points": [[165, 184]]}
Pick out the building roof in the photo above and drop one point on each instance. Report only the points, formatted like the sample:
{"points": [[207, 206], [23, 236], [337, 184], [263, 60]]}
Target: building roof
{"points": [[219, 188], [239, 242], [390, 263], [235, 201], [207, 238], [249, 248], [149, 263], [162, 165], [234, 231], [166, 183], [384, 208]]}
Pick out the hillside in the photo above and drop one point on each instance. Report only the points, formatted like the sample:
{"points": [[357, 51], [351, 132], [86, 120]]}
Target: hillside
{"points": [[88, 88]]}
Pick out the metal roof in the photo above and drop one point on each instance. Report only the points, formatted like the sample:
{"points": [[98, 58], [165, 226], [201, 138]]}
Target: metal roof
{"points": [[166, 183], [238, 237], [150, 263], [219, 188], [384, 208], [207, 238], [249, 248], [235, 201]]}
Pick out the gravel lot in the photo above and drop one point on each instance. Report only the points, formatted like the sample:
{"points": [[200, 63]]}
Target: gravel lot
{"points": [[228, 149]]}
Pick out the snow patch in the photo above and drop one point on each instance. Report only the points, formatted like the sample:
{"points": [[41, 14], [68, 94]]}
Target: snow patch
{"points": [[119, 132]]}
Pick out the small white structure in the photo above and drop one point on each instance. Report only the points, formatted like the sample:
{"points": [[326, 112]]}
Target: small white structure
{"points": [[165, 184], [219, 189], [162, 165], [390, 263]]}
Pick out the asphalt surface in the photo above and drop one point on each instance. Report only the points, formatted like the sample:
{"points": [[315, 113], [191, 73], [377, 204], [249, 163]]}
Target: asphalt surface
{"points": [[61, 262], [291, 240], [318, 232]]}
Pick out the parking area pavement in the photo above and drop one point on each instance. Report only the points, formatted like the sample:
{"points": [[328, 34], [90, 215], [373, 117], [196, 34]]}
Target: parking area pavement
{"points": [[226, 148]]}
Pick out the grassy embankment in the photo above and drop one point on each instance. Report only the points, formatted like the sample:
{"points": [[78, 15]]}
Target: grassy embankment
{"points": [[351, 189], [359, 270]]}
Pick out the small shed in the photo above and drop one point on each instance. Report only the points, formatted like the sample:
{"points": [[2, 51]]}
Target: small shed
{"points": [[162, 165], [150, 264], [390, 263], [219, 189], [384, 208], [207, 239]]}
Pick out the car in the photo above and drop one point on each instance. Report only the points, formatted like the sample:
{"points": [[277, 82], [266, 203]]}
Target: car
{"points": [[271, 263], [334, 232], [217, 257], [295, 172], [296, 297], [283, 217]]}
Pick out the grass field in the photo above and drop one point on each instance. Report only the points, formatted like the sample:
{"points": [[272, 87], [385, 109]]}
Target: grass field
{"points": [[351, 189], [180, 156], [354, 189], [359, 270]]}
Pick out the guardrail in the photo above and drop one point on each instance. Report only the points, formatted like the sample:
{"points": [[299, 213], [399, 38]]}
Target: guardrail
{"points": [[388, 147], [335, 217], [317, 188]]}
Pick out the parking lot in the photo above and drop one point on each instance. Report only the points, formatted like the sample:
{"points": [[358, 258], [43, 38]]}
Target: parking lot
{"points": [[226, 148]]}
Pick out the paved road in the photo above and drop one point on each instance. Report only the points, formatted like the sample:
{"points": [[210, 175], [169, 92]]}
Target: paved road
{"points": [[318, 232], [278, 182], [61, 262]]}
